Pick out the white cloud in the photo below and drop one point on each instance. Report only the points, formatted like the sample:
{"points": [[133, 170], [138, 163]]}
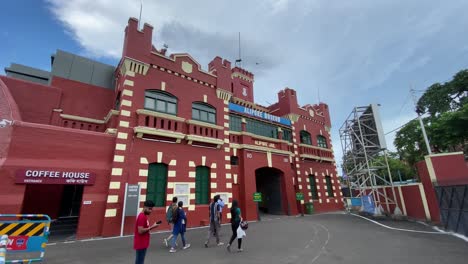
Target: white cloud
{"points": [[357, 52]]}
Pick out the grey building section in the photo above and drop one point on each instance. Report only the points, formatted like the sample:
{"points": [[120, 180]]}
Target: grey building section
{"points": [[27, 73], [73, 67]]}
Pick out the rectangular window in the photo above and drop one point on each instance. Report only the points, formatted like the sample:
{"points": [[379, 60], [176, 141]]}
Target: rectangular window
{"points": [[211, 118], [313, 187], [161, 102], [171, 108], [160, 106], [235, 123], [261, 128], [156, 185], [150, 103], [329, 186], [195, 114], [203, 113], [234, 160], [203, 116], [287, 135], [322, 141], [202, 185]]}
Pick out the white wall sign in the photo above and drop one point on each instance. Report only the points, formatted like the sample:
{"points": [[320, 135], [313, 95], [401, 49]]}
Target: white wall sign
{"points": [[182, 192]]}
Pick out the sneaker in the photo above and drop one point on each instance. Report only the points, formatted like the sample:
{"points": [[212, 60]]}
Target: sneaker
{"points": [[173, 250], [165, 242], [206, 244], [186, 246], [228, 248], [220, 243], [240, 250]]}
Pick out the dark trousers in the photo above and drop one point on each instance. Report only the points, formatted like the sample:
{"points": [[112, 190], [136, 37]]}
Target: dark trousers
{"points": [[234, 227], [140, 256]]}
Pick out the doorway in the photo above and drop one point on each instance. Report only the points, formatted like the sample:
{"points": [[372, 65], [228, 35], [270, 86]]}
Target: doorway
{"points": [[71, 201], [268, 182], [61, 203]]}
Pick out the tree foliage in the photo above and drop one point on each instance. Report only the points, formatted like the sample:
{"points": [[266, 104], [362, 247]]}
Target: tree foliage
{"points": [[445, 107], [397, 168]]}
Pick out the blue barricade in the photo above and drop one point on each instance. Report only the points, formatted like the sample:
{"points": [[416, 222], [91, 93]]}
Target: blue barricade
{"points": [[27, 236]]}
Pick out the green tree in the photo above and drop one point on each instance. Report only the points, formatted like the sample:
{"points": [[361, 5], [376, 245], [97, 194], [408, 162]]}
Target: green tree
{"points": [[409, 142], [397, 167], [446, 107]]}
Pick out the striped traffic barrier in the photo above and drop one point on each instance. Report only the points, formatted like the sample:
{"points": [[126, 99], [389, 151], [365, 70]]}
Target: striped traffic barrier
{"points": [[3, 244], [27, 236]]}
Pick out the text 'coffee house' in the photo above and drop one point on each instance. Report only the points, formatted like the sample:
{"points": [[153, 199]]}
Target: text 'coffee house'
{"points": [[54, 177], [87, 143]]}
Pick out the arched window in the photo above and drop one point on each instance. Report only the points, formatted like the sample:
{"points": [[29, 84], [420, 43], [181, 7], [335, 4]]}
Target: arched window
{"points": [[157, 184], [202, 185], [321, 141], [305, 138], [203, 112], [160, 101]]}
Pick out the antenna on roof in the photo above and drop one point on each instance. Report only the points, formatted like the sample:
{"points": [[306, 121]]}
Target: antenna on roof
{"points": [[141, 8], [239, 60]]}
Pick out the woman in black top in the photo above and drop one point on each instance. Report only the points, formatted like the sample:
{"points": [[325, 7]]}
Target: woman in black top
{"points": [[236, 218]]}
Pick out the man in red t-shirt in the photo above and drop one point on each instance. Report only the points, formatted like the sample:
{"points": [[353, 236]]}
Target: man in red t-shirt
{"points": [[142, 232]]}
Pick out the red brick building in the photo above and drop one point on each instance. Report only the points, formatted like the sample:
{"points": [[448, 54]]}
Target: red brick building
{"points": [[70, 143]]}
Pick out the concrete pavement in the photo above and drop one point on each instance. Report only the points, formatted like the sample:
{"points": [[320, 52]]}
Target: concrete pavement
{"points": [[326, 238]]}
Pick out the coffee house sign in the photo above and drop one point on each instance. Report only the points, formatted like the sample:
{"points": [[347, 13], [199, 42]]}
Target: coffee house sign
{"points": [[34, 176]]}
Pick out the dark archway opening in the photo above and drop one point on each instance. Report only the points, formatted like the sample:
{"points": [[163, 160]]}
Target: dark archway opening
{"points": [[268, 182]]}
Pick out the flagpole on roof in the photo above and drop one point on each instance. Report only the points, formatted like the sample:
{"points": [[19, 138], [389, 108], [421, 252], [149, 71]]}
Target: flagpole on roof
{"points": [[141, 8]]}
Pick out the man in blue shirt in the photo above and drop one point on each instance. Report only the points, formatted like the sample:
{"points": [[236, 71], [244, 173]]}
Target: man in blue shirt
{"points": [[221, 205], [214, 222]]}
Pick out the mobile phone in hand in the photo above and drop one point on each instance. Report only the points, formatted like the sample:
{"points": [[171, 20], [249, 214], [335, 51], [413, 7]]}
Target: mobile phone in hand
{"points": [[159, 222]]}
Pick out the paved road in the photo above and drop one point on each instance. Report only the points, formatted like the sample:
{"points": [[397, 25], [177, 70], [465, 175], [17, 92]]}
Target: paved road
{"points": [[326, 238]]}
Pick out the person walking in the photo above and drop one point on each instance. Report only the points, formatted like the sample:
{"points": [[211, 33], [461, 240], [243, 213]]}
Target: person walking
{"points": [[236, 219], [180, 226], [141, 238], [221, 206], [170, 210], [214, 222]]}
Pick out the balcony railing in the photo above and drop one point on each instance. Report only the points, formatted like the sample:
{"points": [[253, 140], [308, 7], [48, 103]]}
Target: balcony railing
{"points": [[84, 123], [160, 126], [315, 153], [204, 134], [252, 141]]}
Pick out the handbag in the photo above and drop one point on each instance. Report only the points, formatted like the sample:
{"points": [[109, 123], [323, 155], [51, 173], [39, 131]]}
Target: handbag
{"points": [[240, 232], [244, 225]]}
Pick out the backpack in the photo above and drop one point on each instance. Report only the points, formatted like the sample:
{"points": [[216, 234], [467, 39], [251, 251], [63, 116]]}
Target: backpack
{"points": [[213, 211], [170, 213], [175, 214]]}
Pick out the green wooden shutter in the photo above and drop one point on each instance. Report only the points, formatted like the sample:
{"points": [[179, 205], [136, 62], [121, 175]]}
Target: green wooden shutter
{"points": [[151, 184], [313, 187], [198, 186], [202, 182], [206, 185], [329, 186], [157, 182], [161, 183]]}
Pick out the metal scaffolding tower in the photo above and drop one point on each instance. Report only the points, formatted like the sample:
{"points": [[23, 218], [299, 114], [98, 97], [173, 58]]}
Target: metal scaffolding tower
{"points": [[365, 154]]}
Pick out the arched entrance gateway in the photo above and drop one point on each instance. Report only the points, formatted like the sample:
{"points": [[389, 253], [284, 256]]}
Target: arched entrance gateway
{"points": [[269, 182]]}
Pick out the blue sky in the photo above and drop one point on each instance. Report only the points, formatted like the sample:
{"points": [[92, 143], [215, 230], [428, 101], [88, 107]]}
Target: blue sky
{"points": [[352, 52]]}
